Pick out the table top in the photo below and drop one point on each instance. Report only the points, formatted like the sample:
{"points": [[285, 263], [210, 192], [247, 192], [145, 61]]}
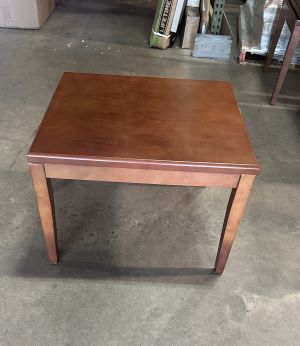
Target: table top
{"points": [[144, 122]]}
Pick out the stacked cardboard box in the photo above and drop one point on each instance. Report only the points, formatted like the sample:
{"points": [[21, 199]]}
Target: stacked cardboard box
{"points": [[27, 14], [209, 38], [192, 21], [161, 29]]}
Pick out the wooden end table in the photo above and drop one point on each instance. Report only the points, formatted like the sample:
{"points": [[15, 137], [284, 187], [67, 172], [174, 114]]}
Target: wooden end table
{"points": [[147, 131]]}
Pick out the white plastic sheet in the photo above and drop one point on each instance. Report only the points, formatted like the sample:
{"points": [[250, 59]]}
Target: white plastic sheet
{"points": [[256, 23]]}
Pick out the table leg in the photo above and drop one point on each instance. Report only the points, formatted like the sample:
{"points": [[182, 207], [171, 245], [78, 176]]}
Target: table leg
{"points": [[275, 37], [43, 191], [290, 50], [234, 212]]}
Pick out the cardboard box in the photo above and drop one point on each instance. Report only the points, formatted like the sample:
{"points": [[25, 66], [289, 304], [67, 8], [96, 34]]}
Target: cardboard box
{"points": [[161, 29], [25, 14], [192, 21], [215, 46]]}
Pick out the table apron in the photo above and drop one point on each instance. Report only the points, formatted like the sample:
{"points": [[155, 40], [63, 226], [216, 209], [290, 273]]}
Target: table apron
{"points": [[141, 176]]}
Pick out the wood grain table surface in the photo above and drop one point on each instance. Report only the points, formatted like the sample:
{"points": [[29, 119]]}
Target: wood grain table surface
{"points": [[143, 130], [102, 119]]}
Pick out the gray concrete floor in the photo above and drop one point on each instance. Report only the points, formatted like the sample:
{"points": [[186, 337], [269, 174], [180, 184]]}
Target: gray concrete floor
{"points": [[136, 260]]}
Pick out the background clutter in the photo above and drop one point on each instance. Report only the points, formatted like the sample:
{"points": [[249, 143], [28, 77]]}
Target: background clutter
{"points": [[202, 21]]}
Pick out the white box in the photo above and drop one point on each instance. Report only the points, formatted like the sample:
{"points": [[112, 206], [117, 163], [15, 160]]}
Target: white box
{"points": [[193, 3], [26, 14], [178, 15]]}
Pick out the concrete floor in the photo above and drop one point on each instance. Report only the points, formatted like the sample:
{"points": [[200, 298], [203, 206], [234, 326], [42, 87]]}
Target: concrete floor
{"points": [[136, 260]]}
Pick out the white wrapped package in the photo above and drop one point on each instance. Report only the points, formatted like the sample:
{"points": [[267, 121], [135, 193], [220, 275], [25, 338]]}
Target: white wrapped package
{"points": [[256, 23]]}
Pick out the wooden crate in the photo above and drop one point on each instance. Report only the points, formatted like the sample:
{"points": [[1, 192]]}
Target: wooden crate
{"points": [[214, 46]]}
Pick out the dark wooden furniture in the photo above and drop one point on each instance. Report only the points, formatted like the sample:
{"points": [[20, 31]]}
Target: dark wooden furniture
{"points": [[289, 12], [148, 131]]}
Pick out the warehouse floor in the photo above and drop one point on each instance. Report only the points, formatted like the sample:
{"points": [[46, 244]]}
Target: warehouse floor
{"points": [[136, 265]]}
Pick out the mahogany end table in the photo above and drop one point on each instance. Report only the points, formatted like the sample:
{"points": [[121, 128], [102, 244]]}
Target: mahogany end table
{"points": [[148, 131]]}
